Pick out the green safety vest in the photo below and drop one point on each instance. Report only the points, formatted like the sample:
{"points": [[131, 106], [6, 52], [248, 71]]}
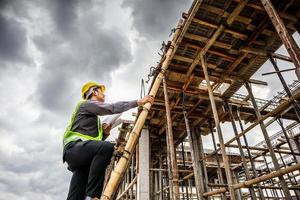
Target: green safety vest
{"points": [[70, 136]]}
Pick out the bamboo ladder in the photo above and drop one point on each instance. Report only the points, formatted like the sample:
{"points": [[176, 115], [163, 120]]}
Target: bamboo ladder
{"points": [[121, 166]]}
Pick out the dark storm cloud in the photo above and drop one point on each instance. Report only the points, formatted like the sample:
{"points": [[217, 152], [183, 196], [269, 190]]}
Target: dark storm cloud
{"points": [[155, 18], [64, 14], [87, 52], [12, 41]]}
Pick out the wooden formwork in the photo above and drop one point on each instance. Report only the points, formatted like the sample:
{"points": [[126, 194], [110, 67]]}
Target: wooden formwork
{"points": [[216, 48]]}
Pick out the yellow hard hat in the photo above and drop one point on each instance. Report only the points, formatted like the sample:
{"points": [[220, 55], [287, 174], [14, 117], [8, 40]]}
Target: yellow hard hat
{"points": [[86, 87]]}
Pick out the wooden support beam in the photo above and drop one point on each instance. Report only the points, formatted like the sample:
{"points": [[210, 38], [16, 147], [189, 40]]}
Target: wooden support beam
{"points": [[122, 165], [127, 188], [224, 14], [233, 15], [268, 142], [281, 57], [245, 166], [190, 60], [233, 65], [170, 138], [219, 131], [253, 51], [205, 39], [283, 33], [235, 34], [224, 56], [259, 179], [280, 108], [263, 149], [195, 158]]}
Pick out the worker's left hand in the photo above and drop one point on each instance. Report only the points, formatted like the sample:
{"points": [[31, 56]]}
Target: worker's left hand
{"points": [[106, 128]]}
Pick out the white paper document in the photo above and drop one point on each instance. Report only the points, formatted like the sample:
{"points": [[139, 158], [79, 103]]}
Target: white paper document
{"points": [[113, 120]]}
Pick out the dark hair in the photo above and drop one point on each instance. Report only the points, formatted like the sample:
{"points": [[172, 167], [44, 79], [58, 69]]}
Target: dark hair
{"points": [[91, 94]]}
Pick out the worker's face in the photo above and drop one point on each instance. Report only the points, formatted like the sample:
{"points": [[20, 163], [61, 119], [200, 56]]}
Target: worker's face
{"points": [[99, 95]]}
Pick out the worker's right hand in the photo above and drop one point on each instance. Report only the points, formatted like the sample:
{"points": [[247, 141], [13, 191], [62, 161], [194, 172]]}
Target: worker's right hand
{"points": [[146, 99]]}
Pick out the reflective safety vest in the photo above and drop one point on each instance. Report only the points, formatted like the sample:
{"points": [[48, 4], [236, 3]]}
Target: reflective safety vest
{"points": [[70, 135]]}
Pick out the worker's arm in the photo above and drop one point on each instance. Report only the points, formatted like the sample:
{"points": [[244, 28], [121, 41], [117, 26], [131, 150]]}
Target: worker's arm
{"points": [[99, 108]]}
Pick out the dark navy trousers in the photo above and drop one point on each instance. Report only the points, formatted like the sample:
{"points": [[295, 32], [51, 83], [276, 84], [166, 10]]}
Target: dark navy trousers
{"points": [[88, 161]]}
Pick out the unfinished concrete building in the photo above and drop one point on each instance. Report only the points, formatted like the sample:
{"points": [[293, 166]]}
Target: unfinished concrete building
{"points": [[216, 48]]}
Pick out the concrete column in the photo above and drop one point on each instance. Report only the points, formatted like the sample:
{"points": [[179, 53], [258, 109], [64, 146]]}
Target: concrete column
{"points": [[143, 181]]}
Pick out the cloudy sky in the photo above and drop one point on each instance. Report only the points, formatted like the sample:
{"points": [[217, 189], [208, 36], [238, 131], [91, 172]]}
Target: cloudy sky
{"points": [[48, 49]]}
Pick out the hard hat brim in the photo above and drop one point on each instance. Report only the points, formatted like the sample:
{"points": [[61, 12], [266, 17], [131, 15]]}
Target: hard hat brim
{"points": [[89, 85]]}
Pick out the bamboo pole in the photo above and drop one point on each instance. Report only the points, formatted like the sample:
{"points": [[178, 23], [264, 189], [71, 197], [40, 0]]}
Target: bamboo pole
{"points": [[263, 149], [170, 172], [247, 172], [268, 142], [163, 170], [127, 188], [294, 187], [171, 144], [219, 131], [183, 159], [117, 174], [275, 193], [260, 191], [283, 33], [296, 107], [160, 174], [259, 179], [285, 105], [195, 158], [120, 168], [219, 170]]}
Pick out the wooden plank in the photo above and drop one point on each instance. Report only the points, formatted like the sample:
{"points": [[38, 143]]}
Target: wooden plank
{"points": [[224, 14], [190, 60], [235, 34], [205, 39]]}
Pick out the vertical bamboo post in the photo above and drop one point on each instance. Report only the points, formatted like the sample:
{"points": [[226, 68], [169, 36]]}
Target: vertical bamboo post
{"points": [[195, 157], [202, 162], [279, 120], [185, 182], [247, 172], [284, 35], [260, 191], [170, 139], [275, 193], [236, 181], [296, 107], [160, 173], [170, 172], [268, 142], [120, 168], [219, 131], [219, 170]]}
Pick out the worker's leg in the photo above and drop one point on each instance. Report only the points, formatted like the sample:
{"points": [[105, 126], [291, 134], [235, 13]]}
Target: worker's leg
{"points": [[78, 184], [98, 167], [97, 155]]}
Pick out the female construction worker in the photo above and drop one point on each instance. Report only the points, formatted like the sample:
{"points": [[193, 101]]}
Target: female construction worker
{"points": [[85, 151]]}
